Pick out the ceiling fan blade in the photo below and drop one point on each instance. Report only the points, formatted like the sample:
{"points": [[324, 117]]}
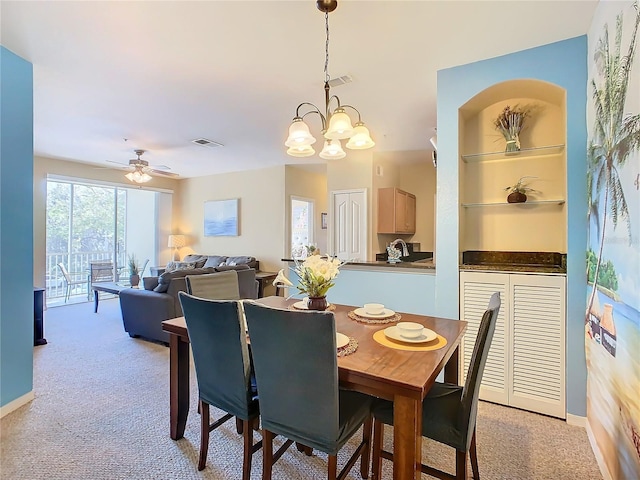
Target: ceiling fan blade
{"points": [[159, 167], [118, 163], [162, 173]]}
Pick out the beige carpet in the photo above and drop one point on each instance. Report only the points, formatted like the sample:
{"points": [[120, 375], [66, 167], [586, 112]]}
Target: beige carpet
{"points": [[102, 412]]}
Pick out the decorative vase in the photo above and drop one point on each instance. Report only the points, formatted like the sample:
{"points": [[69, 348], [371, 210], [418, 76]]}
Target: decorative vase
{"points": [[317, 303], [134, 280], [516, 197], [513, 144]]}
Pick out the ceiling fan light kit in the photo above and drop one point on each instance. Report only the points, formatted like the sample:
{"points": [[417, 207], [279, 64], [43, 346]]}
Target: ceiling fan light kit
{"points": [[336, 124]]}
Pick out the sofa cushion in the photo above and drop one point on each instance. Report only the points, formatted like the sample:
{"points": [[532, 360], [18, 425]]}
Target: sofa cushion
{"points": [[244, 260], [173, 266], [214, 260], [223, 268], [165, 279], [199, 260]]}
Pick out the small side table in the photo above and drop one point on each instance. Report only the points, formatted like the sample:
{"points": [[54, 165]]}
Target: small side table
{"points": [[264, 279], [38, 317]]}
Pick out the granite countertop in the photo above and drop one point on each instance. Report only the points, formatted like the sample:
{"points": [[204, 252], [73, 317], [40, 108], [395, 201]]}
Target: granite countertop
{"points": [[426, 264], [529, 262]]}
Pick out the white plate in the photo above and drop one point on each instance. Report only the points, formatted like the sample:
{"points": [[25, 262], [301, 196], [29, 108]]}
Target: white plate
{"points": [[426, 336], [341, 340], [302, 305], [361, 312]]}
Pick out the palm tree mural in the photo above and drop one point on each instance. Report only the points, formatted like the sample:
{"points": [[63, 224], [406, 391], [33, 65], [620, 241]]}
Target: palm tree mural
{"points": [[615, 137]]}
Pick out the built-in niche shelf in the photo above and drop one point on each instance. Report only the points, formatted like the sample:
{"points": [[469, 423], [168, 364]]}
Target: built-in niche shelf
{"points": [[519, 155], [529, 202]]}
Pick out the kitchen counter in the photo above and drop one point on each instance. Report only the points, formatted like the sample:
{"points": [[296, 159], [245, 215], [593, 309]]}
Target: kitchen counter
{"points": [[521, 262], [427, 265]]}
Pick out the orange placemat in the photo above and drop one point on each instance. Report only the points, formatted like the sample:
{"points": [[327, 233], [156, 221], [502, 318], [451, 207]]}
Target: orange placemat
{"points": [[382, 339]]}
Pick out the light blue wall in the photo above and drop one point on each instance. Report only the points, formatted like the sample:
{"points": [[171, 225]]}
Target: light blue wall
{"points": [[563, 64], [16, 227]]}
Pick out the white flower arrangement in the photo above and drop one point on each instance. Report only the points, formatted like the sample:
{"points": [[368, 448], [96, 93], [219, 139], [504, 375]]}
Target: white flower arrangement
{"points": [[315, 274]]}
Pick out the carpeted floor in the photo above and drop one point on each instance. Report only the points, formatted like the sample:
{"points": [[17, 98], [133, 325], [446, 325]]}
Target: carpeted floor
{"points": [[101, 411]]}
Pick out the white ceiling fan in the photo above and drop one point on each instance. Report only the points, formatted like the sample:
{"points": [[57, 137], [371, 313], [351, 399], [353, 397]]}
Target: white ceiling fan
{"points": [[140, 170]]}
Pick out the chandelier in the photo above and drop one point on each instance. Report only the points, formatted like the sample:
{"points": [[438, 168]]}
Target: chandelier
{"points": [[139, 173], [336, 124]]}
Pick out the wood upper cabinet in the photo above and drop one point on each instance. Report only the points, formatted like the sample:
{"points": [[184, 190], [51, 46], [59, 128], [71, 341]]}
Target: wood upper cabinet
{"points": [[396, 211]]}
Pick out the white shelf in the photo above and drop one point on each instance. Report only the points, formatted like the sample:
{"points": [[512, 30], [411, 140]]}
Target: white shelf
{"points": [[519, 155], [530, 202]]}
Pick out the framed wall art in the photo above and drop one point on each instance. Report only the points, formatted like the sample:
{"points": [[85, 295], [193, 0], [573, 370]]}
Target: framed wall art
{"points": [[221, 218]]}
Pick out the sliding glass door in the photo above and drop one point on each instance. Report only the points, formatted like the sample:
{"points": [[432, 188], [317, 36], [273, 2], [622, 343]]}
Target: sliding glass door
{"points": [[88, 223]]}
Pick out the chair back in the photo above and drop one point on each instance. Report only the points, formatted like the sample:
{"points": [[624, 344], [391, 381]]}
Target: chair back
{"points": [[65, 273], [101, 271], [220, 354], [215, 286], [476, 367], [144, 267], [294, 356]]}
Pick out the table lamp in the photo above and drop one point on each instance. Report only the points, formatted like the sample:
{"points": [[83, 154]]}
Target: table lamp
{"points": [[176, 242]]}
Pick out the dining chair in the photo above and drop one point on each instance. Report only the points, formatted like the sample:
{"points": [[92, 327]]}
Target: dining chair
{"points": [[214, 286], [221, 359], [295, 361], [69, 281], [448, 411]]}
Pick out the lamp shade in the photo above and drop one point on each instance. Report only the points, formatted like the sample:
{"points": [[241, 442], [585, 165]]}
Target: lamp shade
{"points": [[360, 140], [299, 134], [339, 126], [332, 150], [137, 176], [301, 151], [177, 241]]}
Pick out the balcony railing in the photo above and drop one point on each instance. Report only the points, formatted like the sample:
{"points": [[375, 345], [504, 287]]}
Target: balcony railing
{"points": [[78, 266]]}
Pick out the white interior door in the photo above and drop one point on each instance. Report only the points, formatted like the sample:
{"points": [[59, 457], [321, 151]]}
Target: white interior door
{"points": [[349, 224]]}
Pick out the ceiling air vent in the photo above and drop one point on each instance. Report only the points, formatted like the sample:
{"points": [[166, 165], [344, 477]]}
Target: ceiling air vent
{"points": [[336, 82], [206, 143]]}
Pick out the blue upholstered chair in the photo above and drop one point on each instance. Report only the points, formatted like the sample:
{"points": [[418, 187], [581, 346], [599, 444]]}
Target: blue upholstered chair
{"points": [[221, 359], [448, 411], [294, 355]]}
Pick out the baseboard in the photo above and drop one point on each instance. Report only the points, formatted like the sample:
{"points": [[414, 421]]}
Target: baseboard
{"points": [[17, 403], [576, 420], [598, 454]]}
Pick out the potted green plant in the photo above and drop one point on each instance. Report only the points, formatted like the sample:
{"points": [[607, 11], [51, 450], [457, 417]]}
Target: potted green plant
{"points": [[134, 271], [518, 192]]}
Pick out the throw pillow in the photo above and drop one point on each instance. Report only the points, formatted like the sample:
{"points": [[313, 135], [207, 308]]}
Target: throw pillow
{"points": [[173, 266], [199, 260]]}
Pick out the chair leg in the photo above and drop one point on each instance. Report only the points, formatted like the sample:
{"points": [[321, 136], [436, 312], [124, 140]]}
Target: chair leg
{"points": [[378, 438], [204, 434], [267, 454], [248, 448], [366, 453], [474, 457], [461, 465], [332, 470], [239, 426]]}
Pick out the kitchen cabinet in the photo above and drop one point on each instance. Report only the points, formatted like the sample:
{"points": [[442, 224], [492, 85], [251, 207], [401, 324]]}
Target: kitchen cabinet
{"points": [[396, 211], [526, 363]]}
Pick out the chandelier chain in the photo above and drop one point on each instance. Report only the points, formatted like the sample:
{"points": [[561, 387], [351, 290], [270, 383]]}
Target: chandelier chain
{"points": [[326, 48]]}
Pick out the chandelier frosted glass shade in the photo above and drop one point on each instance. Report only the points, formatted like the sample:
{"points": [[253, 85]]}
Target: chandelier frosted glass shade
{"points": [[299, 134], [332, 150], [138, 176], [301, 151], [361, 139], [339, 126]]}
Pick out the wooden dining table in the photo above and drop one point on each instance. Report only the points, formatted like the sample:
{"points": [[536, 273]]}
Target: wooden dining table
{"points": [[404, 377]]}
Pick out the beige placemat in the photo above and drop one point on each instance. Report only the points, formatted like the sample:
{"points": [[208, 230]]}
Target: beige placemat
{"points": [[349, 348], [382, 339], [374, 321]]}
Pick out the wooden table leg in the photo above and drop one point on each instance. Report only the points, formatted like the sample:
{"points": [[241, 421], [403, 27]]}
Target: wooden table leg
{"points": [[178, 385], [407, 438], [452, 367]]}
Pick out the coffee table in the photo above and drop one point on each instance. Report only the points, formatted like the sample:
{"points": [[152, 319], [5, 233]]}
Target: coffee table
{"points": [[109, 287]]}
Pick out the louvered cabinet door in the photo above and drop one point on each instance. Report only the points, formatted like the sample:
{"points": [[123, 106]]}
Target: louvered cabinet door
{"points": [[476, 289], [538, 331]]}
